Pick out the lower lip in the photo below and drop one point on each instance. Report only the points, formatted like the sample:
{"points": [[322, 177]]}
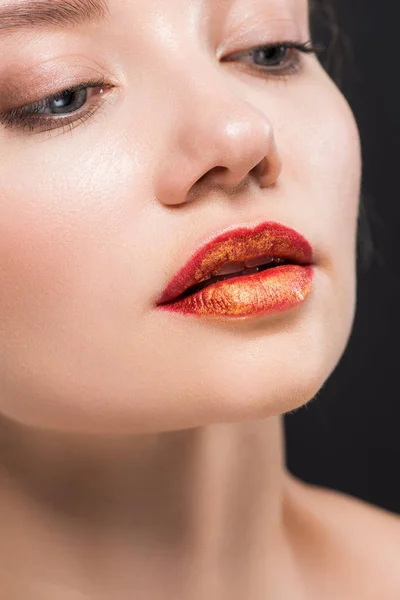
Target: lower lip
{"points": [[270, 291]]}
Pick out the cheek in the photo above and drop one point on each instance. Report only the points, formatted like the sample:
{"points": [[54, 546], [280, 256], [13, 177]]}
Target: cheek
{"points": [[339, 167], [338, 164], [319, 139], [68, 292], [55, 218], [32, 261], [323, 160], [64, 232], [337, 160]]}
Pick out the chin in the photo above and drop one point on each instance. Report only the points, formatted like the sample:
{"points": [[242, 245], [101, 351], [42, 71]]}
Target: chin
{"points": [[275, 373]]}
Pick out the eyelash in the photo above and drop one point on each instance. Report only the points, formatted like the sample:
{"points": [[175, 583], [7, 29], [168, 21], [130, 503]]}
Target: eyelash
{"points": [[27, 118]]}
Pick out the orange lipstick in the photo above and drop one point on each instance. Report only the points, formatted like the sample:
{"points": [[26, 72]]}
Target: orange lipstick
{"points": [[246, 272]]}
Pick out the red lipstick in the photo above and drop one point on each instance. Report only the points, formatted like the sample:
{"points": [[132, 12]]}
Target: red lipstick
{"points": [[244, 272]]}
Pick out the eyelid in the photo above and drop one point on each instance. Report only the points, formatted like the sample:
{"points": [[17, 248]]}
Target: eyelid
{"points": [[307, 47], [287, 68], [255, 30], [24, 118], [55, 95]]}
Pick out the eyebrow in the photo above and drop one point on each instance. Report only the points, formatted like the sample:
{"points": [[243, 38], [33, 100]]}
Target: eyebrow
{"points": [[31, 14]]}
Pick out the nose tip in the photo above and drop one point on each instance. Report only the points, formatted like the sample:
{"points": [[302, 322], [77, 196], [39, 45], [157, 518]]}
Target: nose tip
{"points": [[219, 146], [257, 156]]}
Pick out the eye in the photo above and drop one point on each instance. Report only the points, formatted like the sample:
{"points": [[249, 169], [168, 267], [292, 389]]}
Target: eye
{"points": [[270, 55], [65, 102], [279, 58], [68, 107]]}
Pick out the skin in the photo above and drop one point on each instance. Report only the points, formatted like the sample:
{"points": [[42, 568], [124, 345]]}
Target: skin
{"points": [[142, 451]]}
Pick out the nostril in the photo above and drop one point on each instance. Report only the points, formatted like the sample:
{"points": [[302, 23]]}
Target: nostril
{"points": [[217, 174], [216, 170], [227, 177]]}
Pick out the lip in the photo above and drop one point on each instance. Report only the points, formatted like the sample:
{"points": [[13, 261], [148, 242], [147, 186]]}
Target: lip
{"points": [[275, 289]]}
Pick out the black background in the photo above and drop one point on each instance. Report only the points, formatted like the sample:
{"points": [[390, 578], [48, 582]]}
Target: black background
{"points": [[348, 437]]}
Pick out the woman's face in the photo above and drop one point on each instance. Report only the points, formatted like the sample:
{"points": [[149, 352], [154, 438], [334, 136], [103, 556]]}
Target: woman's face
{"points": [[180, 135]]}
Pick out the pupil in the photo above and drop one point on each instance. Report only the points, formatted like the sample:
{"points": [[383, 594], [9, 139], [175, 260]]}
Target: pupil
{"points": [[274, 55]]}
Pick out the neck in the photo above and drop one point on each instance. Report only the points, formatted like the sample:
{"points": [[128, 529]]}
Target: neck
{"points": [[191, 514]]}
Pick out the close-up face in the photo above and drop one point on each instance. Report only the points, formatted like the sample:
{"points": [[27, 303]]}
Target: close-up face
{"points": [[179, 188]]}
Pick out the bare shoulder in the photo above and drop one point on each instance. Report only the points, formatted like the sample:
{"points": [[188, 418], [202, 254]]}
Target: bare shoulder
{"points": [[347, 543]]}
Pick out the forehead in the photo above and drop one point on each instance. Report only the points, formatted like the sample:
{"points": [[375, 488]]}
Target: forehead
{"points": [[209, 5], [18, 14], [211, 9]]}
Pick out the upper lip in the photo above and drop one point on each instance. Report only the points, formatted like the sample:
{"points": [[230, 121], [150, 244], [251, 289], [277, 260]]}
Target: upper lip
{"points": [[239, 245]]}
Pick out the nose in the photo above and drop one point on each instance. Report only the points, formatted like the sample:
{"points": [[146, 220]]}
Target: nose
{"points": [[218, 141]]}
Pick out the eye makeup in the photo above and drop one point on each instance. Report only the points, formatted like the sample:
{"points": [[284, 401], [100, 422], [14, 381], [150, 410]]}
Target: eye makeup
{"points": [[74, 104]]}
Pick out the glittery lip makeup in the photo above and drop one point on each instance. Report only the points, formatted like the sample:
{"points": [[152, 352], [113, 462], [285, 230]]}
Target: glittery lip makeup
{"points": [[245, 272]]}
